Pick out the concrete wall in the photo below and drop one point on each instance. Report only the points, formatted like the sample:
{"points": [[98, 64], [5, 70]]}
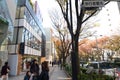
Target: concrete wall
{"points": [[13, 61]]}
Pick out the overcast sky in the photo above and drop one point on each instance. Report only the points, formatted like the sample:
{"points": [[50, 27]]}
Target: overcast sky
{"points": [[46, 6], [108, 18]]}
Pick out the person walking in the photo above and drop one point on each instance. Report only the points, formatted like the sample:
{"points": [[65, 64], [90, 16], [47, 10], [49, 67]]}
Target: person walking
{"points": [[44, 75], [34, 69], [4, 71]]}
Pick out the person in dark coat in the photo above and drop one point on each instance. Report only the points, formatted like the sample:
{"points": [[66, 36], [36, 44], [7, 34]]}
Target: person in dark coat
{"points": [[27, 76], [34, 69], [4, 71], [45, 71]]}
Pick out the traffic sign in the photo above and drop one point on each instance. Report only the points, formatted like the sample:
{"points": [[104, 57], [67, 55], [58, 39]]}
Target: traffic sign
{"points": [[93, 3]]}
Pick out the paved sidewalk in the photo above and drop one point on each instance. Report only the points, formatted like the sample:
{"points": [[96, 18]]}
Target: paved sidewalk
{"points": [[22, 74], [55, 74], [19, 77], [58, 74]]}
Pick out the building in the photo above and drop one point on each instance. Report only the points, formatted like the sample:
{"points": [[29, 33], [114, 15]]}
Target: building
{"points": [[49, 45], [29, 39], [119, 6], [7, 18], [22, 37]]}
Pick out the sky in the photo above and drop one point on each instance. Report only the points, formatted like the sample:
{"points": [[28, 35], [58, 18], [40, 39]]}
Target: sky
{"points": [[108, 19], [46, 6]]}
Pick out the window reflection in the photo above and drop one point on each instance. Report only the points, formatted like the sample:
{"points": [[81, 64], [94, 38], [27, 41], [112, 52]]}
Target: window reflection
{"points": [[27, 37], [30, 40], [31, 21]]}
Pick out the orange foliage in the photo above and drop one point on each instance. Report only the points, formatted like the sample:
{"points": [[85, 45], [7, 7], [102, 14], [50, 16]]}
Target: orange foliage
{"points": [[86, 46]]}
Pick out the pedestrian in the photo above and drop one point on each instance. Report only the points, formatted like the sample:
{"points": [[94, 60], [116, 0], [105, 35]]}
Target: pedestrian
{"points": [[44, 75], [52, 63], [34, 69], [4, 71], [27, 76]]}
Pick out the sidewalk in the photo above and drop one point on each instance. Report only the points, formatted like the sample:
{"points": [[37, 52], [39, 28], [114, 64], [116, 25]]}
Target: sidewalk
{"points": [[55, 74], [58, 74], [22, 74], [19, 77]]}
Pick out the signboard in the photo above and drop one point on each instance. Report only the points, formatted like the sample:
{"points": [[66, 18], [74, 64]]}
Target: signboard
{"points": [[112, 0], [93, 3]]}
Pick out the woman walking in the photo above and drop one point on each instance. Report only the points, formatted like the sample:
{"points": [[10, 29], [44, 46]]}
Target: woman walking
{"points": [[45, 71]]}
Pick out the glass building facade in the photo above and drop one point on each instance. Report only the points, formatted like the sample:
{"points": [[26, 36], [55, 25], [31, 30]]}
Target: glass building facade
{"points": [[28, 29], [29, 39], [19, 24], [7, 24], [6, 30]]}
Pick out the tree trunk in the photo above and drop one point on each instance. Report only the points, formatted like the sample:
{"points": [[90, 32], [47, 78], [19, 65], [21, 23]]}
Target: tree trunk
{"points": [[75, 58], [64, 60]]}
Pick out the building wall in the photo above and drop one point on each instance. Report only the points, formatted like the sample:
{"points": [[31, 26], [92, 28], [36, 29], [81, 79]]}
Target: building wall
{"points": [[119, 6], [27, 29], [28, 32], [3, 58], [12, 9], [48, 44], [24, 27], [7, 15]]}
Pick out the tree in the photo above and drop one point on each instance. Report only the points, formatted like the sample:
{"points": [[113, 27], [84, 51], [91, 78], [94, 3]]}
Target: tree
{"points": [[90, 49], [74, 27], [62, 33], [66, 8], [85, 49], [113, 44], [62, 36]]}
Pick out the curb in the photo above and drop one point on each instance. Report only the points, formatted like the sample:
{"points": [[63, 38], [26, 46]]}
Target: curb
{"points": [[70, 78]]}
